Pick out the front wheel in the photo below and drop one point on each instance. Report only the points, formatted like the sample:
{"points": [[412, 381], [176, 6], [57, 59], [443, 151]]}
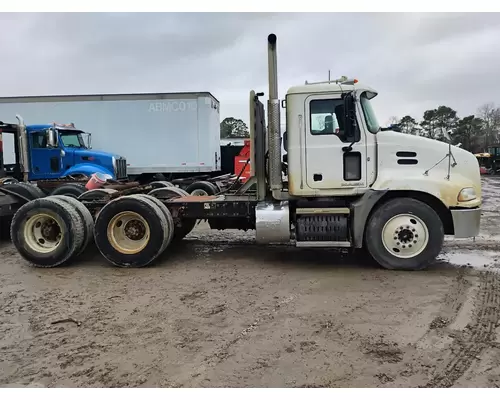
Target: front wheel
{"points": [[404, 234]]}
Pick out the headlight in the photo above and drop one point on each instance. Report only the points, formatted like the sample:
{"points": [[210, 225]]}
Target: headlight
{"points": [[466, 194]]}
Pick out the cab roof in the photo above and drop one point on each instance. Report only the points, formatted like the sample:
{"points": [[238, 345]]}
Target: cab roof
{"points": [[333, 86], [40, 127]]}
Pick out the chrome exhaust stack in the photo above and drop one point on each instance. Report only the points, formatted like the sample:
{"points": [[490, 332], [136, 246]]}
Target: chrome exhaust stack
{"points": [[23, 147], [274, 131]]}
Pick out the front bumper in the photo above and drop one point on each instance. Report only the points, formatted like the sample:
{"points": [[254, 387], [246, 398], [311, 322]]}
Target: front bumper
{"points": [[466, 222]]}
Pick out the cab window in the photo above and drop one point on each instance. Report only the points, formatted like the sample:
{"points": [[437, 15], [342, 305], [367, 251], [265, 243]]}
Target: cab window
{"points": [[327, 117], [39, 140]]}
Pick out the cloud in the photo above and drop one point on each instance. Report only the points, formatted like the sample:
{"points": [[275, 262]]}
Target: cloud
{"points": [[415, 61]]}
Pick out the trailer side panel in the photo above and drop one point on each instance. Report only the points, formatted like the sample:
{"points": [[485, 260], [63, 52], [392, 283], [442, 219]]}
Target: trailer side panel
{"points": [[155, 132]]}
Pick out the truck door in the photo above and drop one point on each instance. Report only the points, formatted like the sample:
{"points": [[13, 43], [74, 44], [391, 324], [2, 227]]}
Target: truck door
{"points": [[45, 160], [328, 166]]}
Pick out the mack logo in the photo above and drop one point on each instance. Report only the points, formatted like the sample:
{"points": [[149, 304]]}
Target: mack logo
{"points": [[352, 184]]}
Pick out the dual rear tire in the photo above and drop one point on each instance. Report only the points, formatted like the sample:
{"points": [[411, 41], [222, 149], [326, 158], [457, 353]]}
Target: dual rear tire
{"points": [[132, 231], [51, 231], [129, 231]]}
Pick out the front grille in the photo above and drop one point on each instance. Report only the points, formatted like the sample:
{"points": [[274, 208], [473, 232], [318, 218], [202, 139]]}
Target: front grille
{"points": [[121, 168]]}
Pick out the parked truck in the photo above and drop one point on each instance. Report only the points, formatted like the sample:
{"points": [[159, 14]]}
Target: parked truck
{"points": [[357, 187], [162, 136], [53, 155]]}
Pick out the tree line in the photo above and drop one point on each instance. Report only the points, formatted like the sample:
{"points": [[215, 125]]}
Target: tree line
{"points": [[233, 128], [475, 132]]}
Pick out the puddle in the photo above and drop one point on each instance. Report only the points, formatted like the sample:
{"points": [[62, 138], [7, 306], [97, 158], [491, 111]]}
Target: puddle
{"points": [[471, 258]]}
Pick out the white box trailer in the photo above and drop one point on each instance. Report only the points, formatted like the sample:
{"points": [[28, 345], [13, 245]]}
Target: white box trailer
{"points": [[174, 133]]}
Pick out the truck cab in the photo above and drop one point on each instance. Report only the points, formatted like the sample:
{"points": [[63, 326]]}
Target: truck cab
{"points": [[361, 156], [60, 150]]}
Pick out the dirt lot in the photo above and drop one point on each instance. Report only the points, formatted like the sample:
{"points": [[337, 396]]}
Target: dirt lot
{"points": [[240, 315]]}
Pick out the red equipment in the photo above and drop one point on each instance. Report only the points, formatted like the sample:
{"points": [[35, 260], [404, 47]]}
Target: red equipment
{"points": [[242, 163]]}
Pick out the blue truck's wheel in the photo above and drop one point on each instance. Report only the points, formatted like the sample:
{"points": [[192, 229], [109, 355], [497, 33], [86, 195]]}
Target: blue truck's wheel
{"points": [[47, 232], [88, 221], [131, 231]]}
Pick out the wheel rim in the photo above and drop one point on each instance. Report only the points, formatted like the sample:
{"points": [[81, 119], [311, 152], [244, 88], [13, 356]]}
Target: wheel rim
{"points": [[199, 192], [128, 232], [43, 233], [405, 236]]}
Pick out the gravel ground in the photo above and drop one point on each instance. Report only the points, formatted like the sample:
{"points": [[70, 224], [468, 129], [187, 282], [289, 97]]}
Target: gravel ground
{"points": [[213, 314]]}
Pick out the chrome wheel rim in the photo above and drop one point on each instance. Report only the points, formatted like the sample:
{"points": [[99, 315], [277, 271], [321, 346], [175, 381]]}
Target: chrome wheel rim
{"points": [[405, 236]]}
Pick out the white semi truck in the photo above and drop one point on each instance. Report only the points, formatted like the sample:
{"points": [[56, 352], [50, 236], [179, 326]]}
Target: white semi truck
{"points": [[348, 184]]}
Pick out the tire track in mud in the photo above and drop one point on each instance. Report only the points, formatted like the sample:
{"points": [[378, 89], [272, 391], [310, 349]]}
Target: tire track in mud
{"points": [[222, 351], [475, 338]]}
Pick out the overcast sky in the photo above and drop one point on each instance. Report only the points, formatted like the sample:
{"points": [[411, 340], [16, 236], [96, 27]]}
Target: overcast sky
{"points": [[414, 61]]}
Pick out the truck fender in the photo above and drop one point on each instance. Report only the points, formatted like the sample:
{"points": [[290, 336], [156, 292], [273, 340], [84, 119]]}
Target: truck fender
{"points": [[361, 209], [88, 170]]}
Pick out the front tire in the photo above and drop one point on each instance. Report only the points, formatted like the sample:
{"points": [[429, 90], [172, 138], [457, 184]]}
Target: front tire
{"points": [[404, 234]]}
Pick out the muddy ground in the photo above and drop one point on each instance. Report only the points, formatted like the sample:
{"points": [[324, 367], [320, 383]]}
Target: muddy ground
{"points": [[241, 315]]}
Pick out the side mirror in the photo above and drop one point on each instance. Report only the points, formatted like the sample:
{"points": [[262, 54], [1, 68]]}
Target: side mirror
{"points": [[350, 126], [52, 138]]}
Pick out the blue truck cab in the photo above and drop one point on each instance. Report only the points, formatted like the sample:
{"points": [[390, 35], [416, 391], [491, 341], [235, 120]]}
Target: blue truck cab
{"points": [[61, 150]]}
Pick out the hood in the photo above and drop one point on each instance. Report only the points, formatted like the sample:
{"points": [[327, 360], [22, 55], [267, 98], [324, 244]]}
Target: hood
{"points": [[414, 160], [96, 153]]}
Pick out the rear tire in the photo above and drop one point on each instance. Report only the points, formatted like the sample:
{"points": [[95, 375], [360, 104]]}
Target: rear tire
{"points": [[47, 232], [85, 215], [26, 190], [160, 184], [131, 231], [8, 181], [166, 193], [166, 213], [404, 234], [96, 194], [202, 188], [184, 226], [74, 190]]}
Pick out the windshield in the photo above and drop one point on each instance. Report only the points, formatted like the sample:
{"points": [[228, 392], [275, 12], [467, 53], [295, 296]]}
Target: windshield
{"points": [[370, 117], [72, 139]]}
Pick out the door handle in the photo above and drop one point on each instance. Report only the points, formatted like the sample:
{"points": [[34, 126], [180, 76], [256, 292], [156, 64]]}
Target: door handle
{"points": [[317, 177]]}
